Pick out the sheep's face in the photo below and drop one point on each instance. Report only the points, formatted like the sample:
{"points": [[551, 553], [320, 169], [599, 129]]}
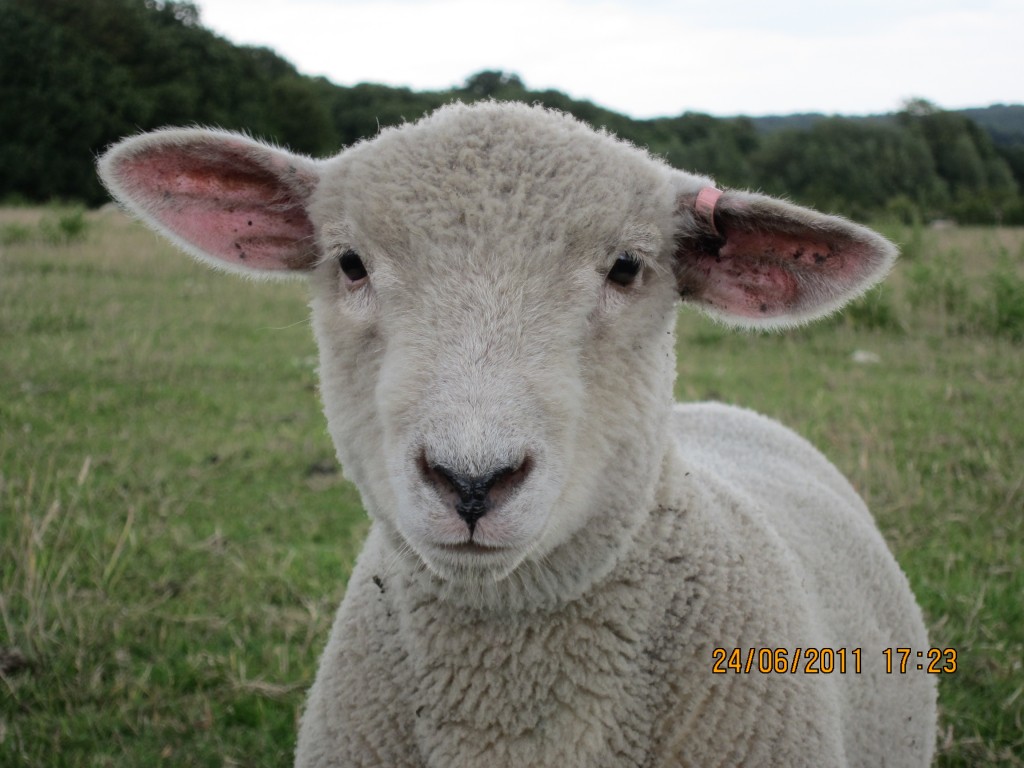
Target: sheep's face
{"points": [[493, 299], [494, 316]]}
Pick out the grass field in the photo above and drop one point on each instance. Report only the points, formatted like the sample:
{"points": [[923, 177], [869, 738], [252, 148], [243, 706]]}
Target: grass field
{"points": [[175, 535]]}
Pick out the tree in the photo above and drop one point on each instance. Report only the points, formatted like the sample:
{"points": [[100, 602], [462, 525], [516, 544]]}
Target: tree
{"points": [[487, 84], [855, 168], [980, 183], [79, 74], [63, 100]]}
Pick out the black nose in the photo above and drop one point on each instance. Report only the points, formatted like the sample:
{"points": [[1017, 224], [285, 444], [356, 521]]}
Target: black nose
{"points": [[474, 495]]}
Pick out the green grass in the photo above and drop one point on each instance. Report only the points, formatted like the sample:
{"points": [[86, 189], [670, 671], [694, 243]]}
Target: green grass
{"points": [[174, 537]]}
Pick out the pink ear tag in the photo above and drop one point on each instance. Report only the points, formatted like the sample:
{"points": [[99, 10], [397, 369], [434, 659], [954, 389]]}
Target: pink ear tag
{"points": [[704, 206]]}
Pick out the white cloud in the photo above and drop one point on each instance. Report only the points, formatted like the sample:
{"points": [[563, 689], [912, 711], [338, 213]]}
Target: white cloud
{"points": [[656, 57]]}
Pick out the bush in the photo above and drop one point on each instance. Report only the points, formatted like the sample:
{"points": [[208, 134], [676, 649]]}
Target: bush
{"points": [[59, 226], [1003, 314], [15, 233], [938, 282], [874, 311], [63, 227]]}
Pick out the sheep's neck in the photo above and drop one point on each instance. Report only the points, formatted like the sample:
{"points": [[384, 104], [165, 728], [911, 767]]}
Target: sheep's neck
{"points": [[519, 678]]}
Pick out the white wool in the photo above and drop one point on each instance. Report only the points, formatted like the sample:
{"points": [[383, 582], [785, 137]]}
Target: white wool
{"points": [[620, 539]]}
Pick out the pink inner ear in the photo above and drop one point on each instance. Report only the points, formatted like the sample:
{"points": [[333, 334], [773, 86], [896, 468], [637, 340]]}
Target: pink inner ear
{"points": [[760, 259], [753, 291], [224, 202], [763, 274]]}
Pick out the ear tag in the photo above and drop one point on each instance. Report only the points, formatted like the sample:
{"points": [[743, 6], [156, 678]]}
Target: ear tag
{"points": [[704, 206]]}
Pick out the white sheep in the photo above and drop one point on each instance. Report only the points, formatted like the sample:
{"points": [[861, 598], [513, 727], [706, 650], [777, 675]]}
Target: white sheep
{"points": [[561, 561]]}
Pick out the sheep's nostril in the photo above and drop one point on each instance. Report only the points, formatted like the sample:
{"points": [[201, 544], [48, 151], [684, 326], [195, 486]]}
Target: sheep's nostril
{"points": [[506, 481], [474, 495]]}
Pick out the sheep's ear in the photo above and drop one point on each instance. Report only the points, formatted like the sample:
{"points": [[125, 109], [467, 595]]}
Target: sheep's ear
{"points": [[224, 198], [759, 262]]}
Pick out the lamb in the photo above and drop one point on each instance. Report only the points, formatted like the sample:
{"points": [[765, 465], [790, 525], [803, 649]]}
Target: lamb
{"points": [[564, 568]]}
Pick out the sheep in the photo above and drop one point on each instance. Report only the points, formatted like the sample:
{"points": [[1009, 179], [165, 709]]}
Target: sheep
{"points": [[564, 568]]}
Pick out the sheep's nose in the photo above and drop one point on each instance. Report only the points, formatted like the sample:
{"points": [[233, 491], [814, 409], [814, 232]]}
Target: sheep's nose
{"points": [[474, 495]]}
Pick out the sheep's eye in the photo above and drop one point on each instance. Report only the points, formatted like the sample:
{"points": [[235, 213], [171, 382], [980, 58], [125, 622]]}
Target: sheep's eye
{"points": [[624, 270], [352, 266]]}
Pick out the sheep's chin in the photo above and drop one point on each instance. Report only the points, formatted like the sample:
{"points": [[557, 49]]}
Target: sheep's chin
{"points": [[465, 565]]}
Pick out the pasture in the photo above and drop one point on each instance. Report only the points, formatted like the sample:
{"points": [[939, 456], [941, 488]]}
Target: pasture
{"points": [[175, 533]]}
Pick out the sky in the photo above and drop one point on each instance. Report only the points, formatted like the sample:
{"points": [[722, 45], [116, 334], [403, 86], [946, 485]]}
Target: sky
{"points": [[650, 58]]}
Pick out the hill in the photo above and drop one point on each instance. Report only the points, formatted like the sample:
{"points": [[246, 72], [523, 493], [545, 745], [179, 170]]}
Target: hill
{"points": [[1004, 123], [78, 75]]}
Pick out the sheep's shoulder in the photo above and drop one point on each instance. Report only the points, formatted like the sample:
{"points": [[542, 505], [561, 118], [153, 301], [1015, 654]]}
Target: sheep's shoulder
{"points": [[768, 497], [758, 456], [776, 550], [357, 712]]}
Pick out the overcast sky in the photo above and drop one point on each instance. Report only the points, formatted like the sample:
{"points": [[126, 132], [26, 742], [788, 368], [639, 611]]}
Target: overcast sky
{"points": [[649, 58]]}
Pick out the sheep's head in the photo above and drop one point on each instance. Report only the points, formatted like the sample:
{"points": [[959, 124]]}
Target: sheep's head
{"points": [[494, 291]]}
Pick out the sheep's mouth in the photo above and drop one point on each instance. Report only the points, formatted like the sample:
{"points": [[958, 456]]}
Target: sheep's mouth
{"points": [[473, 548], [470, 559], [465, 565]]}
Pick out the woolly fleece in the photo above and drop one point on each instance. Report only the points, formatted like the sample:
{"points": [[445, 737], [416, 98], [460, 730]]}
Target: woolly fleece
{"points": [[574, 624]]}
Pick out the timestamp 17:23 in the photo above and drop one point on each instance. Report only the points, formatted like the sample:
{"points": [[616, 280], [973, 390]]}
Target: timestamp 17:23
{"points": [[828, 660]]}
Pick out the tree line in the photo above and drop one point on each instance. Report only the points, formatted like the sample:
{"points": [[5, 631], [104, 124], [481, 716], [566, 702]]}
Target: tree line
{"points": [[78, 74]]}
